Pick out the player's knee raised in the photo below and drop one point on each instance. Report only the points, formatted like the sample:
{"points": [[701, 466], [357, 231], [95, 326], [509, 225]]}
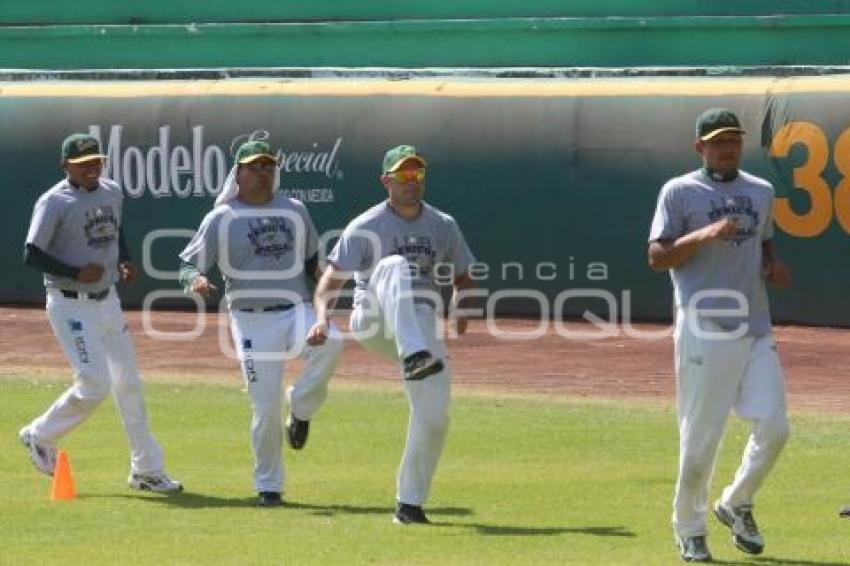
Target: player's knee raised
{"points": [[394, 261]]}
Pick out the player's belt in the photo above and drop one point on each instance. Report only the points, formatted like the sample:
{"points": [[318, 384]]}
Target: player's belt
{"points": [[272, 308], [99, 296]]}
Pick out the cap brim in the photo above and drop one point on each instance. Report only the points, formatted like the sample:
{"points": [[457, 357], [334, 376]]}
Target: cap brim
{"points": [[714, 133], [401, 161], [85, 158], [253, 158]]}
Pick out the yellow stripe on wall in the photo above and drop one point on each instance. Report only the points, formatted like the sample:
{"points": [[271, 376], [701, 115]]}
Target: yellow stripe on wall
{"points": [[451, 88]]}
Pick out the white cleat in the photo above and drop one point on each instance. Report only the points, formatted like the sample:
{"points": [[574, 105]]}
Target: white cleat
{"points": [[157, 482], [693, 549], [43, 455], [745, 532]]}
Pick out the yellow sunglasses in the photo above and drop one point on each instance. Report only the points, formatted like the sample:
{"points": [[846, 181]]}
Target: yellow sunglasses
{"points": [[408, 176]]}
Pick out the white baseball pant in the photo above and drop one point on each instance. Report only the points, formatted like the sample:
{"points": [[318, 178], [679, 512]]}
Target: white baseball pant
{"points": [[264, 340], [95, 339], [395, 329], [714, 377]]}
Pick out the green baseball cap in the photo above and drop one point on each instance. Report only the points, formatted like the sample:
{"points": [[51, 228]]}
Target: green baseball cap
{"points": [[79, 148], [254, 150], [715, 121], [398, 155]]}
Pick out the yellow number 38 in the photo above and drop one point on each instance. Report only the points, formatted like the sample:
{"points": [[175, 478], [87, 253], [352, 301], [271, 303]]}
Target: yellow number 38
{"points": [[809, 178]]}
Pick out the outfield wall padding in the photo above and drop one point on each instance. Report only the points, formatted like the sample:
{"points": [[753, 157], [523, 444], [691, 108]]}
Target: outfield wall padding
{"points": [[553, 181]]}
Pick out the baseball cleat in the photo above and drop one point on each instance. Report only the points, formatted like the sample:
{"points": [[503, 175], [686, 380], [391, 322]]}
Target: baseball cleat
{"points": [[269, 499], [296, 432], [156, 482], [693, 549], [745, 532], [420, 365], [845, 512], [43, 456], [409, 514]]}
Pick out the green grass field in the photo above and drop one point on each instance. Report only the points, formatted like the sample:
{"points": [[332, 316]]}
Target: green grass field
{"points": [[522, 481]]}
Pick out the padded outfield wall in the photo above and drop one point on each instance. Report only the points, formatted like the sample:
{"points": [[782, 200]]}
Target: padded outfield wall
{"points": [[553, 181]]}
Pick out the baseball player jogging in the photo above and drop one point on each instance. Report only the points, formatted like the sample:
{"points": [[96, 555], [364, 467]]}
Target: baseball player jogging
{"points": [[713, 230], [394, 250], [264, 243], [75, 238]]}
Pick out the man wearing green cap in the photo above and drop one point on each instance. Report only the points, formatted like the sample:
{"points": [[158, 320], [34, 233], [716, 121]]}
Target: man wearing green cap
{"points": [[713, 230], [394, 250], [75, 239], [265, 245]]}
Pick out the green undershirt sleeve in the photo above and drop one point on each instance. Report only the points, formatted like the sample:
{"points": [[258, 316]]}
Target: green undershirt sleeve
{"points": [[35, 257]]}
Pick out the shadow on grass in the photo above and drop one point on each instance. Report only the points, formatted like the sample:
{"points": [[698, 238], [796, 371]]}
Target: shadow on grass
{"points": [[329, 510], [508, 530], [185, 500], [204, 501], [798, 562]]}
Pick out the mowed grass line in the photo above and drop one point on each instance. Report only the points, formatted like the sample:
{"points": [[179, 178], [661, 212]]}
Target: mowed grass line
{"points": [[522, 481]]}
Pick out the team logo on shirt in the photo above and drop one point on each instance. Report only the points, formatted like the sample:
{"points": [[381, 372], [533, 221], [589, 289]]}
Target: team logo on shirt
{"points": [[415, 249], [740, 208], [270, 236], [101, 226]]}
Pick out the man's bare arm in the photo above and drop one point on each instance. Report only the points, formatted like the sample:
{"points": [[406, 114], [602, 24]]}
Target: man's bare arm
{"points": [[330, 283], [670, 254]]}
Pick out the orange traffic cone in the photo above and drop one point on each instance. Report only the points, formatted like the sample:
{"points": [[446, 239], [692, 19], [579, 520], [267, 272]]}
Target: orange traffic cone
{"points": [[63, 482]]}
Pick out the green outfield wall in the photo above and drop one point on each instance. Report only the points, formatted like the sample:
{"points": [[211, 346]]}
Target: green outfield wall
{"points": [[163, 35], [553, 181], [54, 12]]}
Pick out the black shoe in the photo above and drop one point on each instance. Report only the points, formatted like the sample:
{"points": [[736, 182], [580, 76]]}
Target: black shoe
{"points": [[845, 512], [296, 432], [269, 499], [408, 514], [420, 365]]}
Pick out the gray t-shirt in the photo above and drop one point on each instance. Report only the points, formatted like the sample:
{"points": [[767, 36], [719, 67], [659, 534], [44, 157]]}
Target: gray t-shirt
{"points": [[260, 250], [78, 226], [432, 241], [692, 201]]}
